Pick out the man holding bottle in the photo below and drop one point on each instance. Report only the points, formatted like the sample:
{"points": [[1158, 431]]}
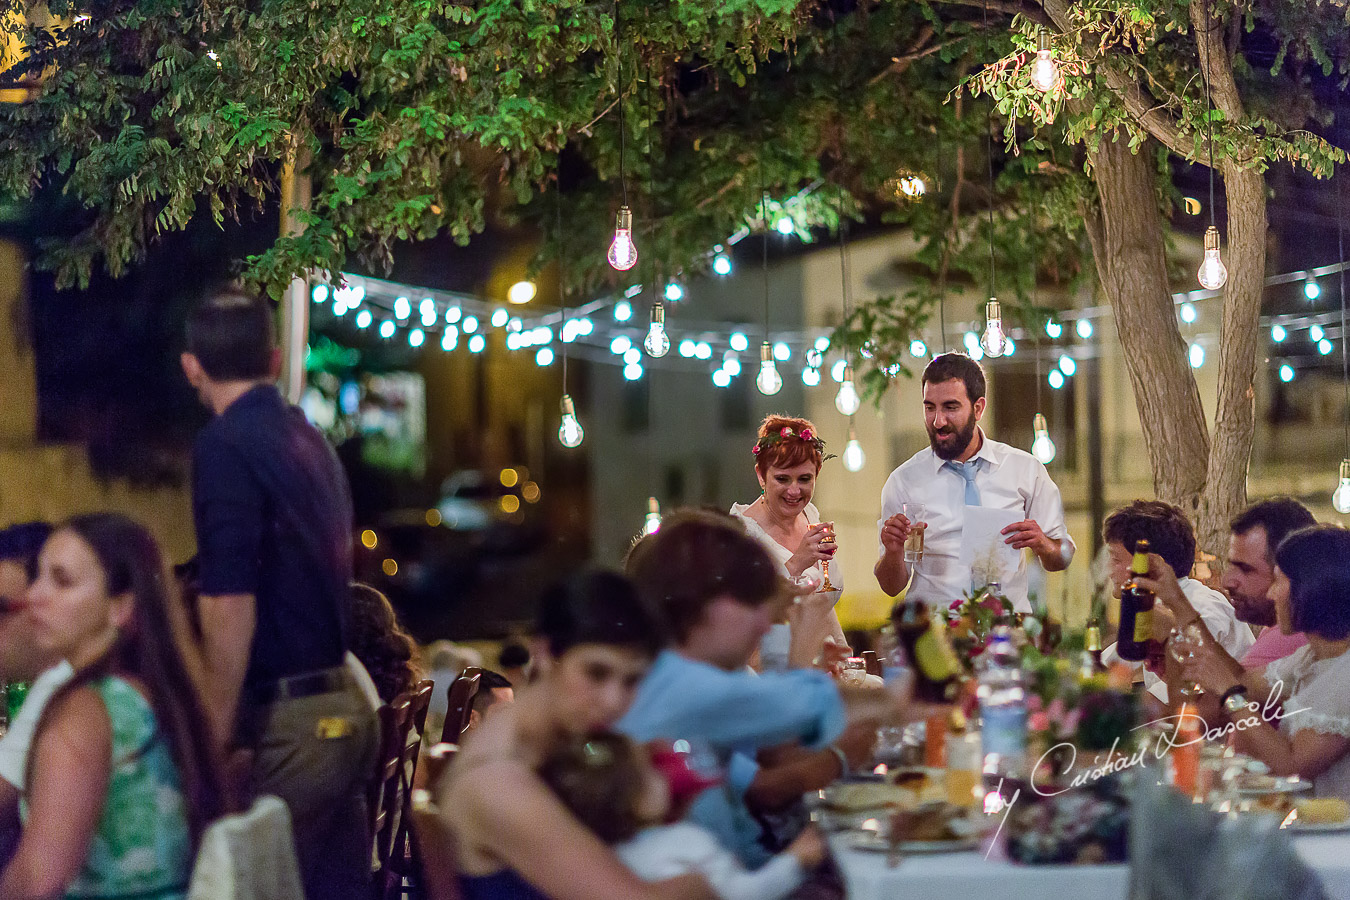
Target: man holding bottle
{"points": [[964, 468]]}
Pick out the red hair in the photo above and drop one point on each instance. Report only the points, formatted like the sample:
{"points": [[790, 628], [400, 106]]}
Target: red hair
{"points": [[787, 452]]}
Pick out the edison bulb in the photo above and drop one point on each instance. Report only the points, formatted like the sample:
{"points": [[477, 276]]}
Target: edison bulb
{"points": [[768, 380], [622, 254], [1213, 274], [1042, 447], [847, 400], [1341, 499], [657, 343], [653, 520], [992, 339], [570, 432], [854, 457], [1044, 71]]}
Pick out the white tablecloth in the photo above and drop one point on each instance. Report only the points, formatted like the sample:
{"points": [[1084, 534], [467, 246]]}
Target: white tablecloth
{"points": [[969, 876]]}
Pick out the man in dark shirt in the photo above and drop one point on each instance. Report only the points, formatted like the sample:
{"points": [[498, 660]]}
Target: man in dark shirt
{"points": [[274, 527]]}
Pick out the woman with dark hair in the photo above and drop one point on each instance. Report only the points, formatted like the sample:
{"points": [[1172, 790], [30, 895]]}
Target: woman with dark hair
{"points": [[375, 637], [788, 453], [122, 779], [1311, 593], [514, 838]]}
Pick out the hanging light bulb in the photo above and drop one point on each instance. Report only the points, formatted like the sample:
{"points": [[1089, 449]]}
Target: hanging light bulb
{"points": [[570, 432], [1341, 499], [1045, 75], [1053, 328], [1316, 333], [1278, 333], [768, 380], [1311, 289], [1042, 447], [622, 254], [992, 339], [653, 522], [847, 400], [1213, 275], [854, 457], [657, 343]]}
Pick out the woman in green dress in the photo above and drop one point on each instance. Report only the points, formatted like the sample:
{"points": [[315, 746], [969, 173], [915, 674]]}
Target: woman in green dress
{"points": [[122, 777]]}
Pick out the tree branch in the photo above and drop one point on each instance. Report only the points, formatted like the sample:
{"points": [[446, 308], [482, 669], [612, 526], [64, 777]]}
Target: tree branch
{"points": [[1030, 10]]}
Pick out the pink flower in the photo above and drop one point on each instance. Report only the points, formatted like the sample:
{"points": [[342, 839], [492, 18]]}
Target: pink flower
{"points": [[755, 450], [1034, 703], [807, 434], [992, 603], [1038, 721], [1056, 710], [786, 432], [955, 604]]}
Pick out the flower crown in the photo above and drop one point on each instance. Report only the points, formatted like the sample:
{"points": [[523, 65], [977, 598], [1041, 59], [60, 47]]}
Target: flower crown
{"points": [[786, 432]]}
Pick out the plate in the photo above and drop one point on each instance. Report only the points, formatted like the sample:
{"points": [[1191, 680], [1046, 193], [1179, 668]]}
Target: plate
{"points": [[1260, 785], [873, 842], [1298, 827]]}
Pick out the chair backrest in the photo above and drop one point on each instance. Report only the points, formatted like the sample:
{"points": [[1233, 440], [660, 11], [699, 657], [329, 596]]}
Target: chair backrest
{"points": [[382, 796], [460, 696], [872, 663], [392, 847]]}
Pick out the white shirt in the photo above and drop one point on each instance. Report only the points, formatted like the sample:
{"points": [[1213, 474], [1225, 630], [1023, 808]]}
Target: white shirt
{"points": [[667, 851], [1220, 620], [18, 739], [1317, 696], [1008, 479]]}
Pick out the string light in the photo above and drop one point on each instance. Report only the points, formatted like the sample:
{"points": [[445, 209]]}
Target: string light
{"points": [[1045, 74], [1043, 448], [784, 225], [1188, 313], [721, 378], [810, 376], [469, 325], [847, 400], [521, 292], [992, 341], [570, 432], [623, 311], [739, 342], [632, 357], [363, 319], [416, 337], [1084, 328], [477, 343], [1213, 274], [657, 343], [918, 349], [731, 364], [1278, 334], [722, 264], [450, 339], [768, 380], [854, 458], [453, 315], [1053, 329], [1324, 347], [632, 371], [1286, 373], [319, 293], [402, 308], [674, 293], [544, 357], [622, 253], [1056, 379], [1311, 289], [1197, 356], [1067, 365], [387, 329], [499, 317], [1315, 333], [1340, 500], [652, 524]]}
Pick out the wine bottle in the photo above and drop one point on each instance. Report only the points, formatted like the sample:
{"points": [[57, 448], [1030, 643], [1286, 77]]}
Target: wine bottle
{"points": [[1092, 645], [1136, 610], [928, 651]]}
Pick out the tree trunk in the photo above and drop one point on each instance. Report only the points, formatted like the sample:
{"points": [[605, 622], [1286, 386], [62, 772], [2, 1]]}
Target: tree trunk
{"points": [[1128, 248]]}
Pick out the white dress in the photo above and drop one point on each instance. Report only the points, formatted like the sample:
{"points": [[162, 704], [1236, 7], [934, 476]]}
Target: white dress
{"points": [[667, 851], [773, 649], [1319, 698]]}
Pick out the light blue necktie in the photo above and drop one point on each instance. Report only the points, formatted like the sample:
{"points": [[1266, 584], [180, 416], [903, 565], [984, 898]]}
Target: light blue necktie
{"points": [[967, 471]]}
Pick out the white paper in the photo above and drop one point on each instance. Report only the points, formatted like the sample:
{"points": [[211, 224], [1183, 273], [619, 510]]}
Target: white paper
{"points": [[983, 548]]}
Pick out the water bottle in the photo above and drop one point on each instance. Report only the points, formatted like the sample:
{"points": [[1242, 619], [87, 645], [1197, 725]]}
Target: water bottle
{"points": [[1003, 716]]}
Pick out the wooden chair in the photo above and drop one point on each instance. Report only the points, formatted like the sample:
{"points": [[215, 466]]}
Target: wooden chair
{"points": [[460, 696], [872, 663], [390, 797]]}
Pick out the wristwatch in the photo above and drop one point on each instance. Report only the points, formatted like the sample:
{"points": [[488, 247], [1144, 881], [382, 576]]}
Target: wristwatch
{"points": [[1234, 700]]}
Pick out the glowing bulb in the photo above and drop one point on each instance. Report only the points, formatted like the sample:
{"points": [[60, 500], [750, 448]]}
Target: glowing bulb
{"points": [[721, 378], [499, 317], [1324, 346], [810, 376], [1286, 373], [634, 355], [1212, 274], [918, 349], [992, 339], [1053, 328], [453, 314], [731, 364], [1042, 447], [387, 328], [912, 186], [822, 343], [847, 400], [1056, 379], [623, 311], [657, 344], [319, 293], [544, 357], [838, 369], [1197, 355], [622, 253], [782, 352], [570, 432], [722, 264], [674, 292], [854, 457], [1315, 333], [1340, 500], [632, 371], [970, 340], [768, 380], [1278, 334], [402, 308], [1311, 289], [619, 346], [784, 225], [1009, 348], [702, 350], [1045, 75], [653, 521], [1084, 328], [1067, 365], [1188, 313], [739, 342], [477, 343], [450, 340], [364, 318], [416, 337], [521, 292], [469, 325]]}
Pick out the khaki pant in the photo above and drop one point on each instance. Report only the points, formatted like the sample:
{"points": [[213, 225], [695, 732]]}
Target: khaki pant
{"points": [[318, 754]]}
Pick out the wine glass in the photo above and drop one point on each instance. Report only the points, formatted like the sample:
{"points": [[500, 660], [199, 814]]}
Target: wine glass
{"points": [[1183, 645], [827, 538]]}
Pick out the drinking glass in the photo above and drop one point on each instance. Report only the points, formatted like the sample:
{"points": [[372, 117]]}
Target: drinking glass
{"points": [[917, 513], [854, 673], [964, 758], [827, 538], [1183, 644], [891, 748]]}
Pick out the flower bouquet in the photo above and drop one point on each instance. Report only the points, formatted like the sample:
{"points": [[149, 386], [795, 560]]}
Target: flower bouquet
{"points": [[972, 619]]}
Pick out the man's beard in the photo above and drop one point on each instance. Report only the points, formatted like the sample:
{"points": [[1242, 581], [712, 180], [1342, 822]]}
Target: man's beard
{"points": [[957, 445]]}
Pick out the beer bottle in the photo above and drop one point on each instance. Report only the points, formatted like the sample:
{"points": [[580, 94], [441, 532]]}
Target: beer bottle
{"points": [[928, 651], [1136, 610]]}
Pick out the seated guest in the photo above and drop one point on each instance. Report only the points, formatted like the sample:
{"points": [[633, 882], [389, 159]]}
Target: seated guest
{"points": [[443, 662], [720, 591], [493, 690], [513, 837], [1170, 536], [1255, 534], [1311, 594], [122, 778], [514, 663], [615, 789], [380, 643]]}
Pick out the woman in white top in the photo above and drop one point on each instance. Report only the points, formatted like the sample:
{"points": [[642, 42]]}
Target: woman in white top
{"points": [[788, 454], [1310, 689]]}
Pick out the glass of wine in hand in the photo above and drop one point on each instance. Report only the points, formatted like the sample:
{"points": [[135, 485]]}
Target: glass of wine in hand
{"points": [[827, 540], [917, 513], [1182, 645]]}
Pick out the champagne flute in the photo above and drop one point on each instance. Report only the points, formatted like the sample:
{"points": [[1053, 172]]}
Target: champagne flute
{"points": [[827, 538]]}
